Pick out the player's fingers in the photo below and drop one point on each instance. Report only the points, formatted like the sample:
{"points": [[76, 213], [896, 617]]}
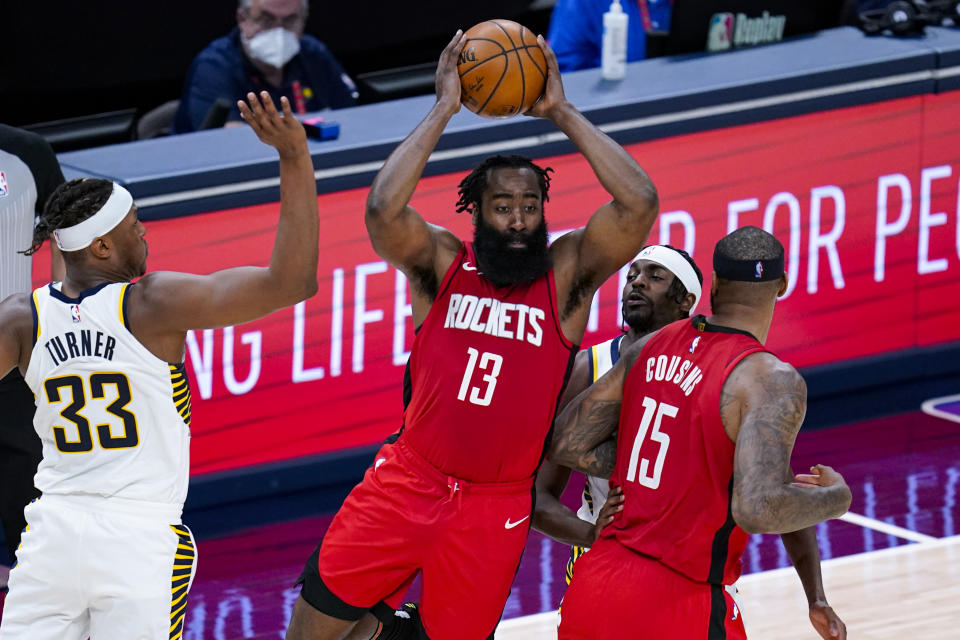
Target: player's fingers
{"points": [[269, 108], [803, 478], [548, 54], [255, 107], [244, 110], [457, 37], [285, 106]]}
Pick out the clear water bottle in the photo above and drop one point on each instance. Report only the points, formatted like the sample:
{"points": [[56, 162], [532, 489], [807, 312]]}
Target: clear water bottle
{"points": [[613, 56]]}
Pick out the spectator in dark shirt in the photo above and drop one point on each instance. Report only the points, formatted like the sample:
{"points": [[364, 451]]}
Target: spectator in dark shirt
{"points": [[576, 29], [267, 50]]}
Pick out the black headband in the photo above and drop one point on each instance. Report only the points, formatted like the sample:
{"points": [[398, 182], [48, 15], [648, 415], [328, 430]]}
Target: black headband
{"points": [[748, 270]]}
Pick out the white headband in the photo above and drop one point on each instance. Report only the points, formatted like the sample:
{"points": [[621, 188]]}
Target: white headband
{"points": [[80, 235], [676, 264]]}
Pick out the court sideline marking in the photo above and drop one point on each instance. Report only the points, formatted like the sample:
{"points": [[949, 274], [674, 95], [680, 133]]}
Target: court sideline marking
{"points": [[929, 408], [885, 527]]}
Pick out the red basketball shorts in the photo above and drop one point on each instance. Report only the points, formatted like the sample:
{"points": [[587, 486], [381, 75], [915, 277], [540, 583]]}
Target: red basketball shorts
{"points": [[617, 592], [408, 516]]}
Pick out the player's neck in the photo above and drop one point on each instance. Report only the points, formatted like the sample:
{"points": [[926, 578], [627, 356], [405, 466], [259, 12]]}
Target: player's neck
{"points": [[754, 321], [76, 281], [745, 318]]}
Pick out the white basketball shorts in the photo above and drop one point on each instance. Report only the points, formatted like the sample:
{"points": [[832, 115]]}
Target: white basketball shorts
{"points": [[86, 568]]}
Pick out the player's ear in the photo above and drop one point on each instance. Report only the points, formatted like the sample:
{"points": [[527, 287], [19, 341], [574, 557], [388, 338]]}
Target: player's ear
{"points": [[475, 213], [783, 286], [101, 247], [687, 304]]}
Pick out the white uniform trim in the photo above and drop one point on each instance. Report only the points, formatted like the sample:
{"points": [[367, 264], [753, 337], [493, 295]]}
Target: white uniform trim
{"points": [[601, 361], [80, 235]]}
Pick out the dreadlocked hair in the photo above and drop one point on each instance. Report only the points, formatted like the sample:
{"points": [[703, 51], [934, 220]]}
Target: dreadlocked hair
{"points": [[677, 292], [71, 203], [472, 187]]}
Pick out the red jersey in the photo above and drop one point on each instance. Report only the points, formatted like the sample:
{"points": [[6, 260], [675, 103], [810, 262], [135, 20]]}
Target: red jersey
{"points": [[487, 368], [674, 458]]}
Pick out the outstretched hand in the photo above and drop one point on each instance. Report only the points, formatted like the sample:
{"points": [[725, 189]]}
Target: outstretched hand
{"points": [[279, 130], [610, 508], [827, 623], [448, 78], [553, 94], [820, 476]]}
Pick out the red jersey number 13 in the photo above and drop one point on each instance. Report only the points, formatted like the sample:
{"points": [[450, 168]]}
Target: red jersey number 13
{"points": [[489, 364]]}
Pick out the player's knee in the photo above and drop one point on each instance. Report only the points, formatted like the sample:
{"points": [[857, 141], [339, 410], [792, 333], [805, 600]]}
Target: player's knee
{"points": [[306, 623]]}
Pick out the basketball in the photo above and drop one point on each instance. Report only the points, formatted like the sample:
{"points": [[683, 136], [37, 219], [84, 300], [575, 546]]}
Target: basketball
{"points": [[502, 69]]}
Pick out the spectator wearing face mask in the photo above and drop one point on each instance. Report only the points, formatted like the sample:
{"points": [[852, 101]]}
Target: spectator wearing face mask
{"points": [[266, 51]]}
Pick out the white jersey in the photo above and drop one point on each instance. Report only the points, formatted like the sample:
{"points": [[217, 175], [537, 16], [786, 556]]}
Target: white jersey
{"points": [[602, 357], [113, 418]]}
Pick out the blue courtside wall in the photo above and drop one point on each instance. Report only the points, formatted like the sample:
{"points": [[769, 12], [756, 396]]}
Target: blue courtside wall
{"points": [[661, 97]]}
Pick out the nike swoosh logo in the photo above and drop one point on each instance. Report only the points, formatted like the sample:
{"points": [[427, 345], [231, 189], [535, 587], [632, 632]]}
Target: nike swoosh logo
{"points": [[379, 462], [468, 267], [511, 525]]}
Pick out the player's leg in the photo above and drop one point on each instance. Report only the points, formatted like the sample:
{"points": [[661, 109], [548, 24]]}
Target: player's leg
{"points": [[45, 601], [20, 453], [370, 553], [140, 573], [467, 577], [616, 591]]}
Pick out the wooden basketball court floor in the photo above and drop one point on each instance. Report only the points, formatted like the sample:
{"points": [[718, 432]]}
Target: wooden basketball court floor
{"points": [[910, 591]]}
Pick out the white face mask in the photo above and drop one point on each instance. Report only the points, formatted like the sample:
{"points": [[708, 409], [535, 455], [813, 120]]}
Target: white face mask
{"points": [[274, 47]]}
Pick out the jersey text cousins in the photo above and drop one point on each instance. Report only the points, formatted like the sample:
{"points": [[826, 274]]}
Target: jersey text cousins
{"points": [[496, 318], [673, 369]]}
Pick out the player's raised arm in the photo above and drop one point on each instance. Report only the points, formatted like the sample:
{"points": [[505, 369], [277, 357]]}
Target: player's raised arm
{"points": [[398, 233], [762, 406], [175, 301], [618, 229]]}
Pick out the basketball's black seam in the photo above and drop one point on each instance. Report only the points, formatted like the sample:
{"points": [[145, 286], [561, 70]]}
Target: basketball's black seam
{"points": [[526, 50], [523, 80], [499, 80], [503, 52]]}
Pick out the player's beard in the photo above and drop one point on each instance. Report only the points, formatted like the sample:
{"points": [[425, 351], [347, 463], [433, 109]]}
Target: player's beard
{"points": [[640, 320], [504, 265]]}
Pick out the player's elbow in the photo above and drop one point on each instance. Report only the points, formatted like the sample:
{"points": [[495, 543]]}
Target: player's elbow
{"points": [[749, 516], [379, 207], [297, 291]]}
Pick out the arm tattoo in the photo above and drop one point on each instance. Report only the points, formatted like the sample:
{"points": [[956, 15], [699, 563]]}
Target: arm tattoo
{"points": [[584, 441], [764, 498], [601, 460]]}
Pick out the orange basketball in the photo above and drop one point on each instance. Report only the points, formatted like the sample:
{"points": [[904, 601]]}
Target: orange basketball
{"points": [[502, 69]]}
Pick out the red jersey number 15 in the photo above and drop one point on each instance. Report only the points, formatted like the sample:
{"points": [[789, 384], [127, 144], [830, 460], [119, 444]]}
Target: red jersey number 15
{"points": [[653, 411]]}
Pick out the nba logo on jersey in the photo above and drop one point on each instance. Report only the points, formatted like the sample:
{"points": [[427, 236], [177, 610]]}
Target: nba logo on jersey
{"points": [[759, 270], [3, 185], [693, 345], [75, 313]]}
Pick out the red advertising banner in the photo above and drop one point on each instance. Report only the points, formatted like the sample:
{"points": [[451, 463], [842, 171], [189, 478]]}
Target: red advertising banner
{"points": [[865, 200]]}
